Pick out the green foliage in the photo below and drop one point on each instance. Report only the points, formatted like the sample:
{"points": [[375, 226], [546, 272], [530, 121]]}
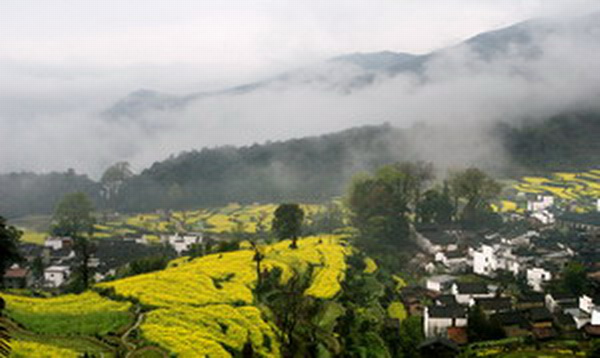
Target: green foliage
{"points": [[287, 223], [435, 207], [73, 215], [481, 328], [379, 205], [477, 189], [9, 252], [574, 279], [147, 264]]}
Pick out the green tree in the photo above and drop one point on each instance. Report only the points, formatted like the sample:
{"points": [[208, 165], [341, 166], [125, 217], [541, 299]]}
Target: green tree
{"points": [[73, 216], [379, 206], [481, 328], [113, 179], [9, 252], [435, 207], [477, 189], [574, 279], [287, 223]]}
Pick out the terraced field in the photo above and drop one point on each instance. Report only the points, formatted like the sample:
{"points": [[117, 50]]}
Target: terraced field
{"points": [[232, 218], [575, 191], [195, 308]]}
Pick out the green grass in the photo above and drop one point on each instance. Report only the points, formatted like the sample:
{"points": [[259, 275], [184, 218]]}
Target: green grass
{"points": [[77, 343], [84, 324]]}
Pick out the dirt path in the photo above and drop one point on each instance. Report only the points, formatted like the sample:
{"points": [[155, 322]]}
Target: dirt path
{"points": [[131, 347]]}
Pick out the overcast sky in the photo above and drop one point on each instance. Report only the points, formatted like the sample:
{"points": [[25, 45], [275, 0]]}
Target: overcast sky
{"points": [[227, 39], [62, 62]]}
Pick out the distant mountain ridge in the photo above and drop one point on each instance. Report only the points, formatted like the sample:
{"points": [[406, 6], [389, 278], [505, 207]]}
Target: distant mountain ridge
{"points": [[362, 69]]}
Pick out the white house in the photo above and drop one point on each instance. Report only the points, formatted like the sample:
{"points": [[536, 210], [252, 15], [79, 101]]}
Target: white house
{"points": [[542, 202], [598, 205], [544, 216], [557, 302], [437, 319], [58, 243], [183, 243], [467, 291], [536, 277], [484, 261], [440, 283], [56, 276]]}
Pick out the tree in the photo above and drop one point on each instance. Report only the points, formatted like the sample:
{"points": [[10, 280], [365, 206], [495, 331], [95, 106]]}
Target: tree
{"points": [[379, 206], [287, 223], [574, 279], [113, 179], [435, 207], [73, 216], [9, 252], [83, 251], [477, 188], [481, 328]]}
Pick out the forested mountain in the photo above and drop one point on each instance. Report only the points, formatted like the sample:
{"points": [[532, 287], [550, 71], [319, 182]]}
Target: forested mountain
{"points": [[309, 169], [30, 193]]}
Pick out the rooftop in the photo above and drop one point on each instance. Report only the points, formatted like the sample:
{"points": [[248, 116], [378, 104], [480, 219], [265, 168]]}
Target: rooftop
{"points": [[16, 273], [494, 303], [447, 312], [472, 288]]}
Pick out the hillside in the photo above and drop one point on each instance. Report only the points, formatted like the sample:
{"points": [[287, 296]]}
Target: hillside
{"points": [[203, 307], [312, 169]]}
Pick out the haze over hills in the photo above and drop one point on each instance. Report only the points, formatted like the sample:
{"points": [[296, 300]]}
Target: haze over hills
{"points": [[540, 78], [519, 44]]}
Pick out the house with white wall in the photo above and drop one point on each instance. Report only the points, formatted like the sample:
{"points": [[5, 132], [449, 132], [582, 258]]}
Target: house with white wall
{"points": [[536, 277], [437, 319], [58, 243], [465, 292], [540, 203], [56, 275], [183, 242], [440, 283]]}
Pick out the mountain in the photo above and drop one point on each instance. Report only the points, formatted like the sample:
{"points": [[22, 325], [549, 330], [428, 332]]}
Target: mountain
{"points": [[349, 73]]}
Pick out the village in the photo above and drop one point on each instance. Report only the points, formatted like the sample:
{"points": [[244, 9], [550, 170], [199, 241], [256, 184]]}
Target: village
{"points": [[511, 279]]}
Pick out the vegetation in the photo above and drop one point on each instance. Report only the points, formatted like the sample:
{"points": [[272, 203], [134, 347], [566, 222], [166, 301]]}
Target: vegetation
{"points": [[85, 314], [287, 223], [9, 253]]}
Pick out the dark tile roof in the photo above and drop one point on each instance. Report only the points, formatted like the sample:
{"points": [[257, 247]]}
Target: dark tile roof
{"points": [[511, 318], [539, 314], [591, 218], [494, 303], [532, 297], [455, 254], [439, 237], [446, 300], [438, 341], [453, 311], [472, 288], [563, 297], [564, 319]]}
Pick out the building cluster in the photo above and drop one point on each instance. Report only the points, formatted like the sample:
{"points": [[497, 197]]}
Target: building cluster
{"points": [[52, 264], [468, 271]]}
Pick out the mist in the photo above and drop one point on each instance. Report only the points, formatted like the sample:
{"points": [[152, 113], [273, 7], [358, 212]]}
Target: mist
{"points": [[51, 117]]}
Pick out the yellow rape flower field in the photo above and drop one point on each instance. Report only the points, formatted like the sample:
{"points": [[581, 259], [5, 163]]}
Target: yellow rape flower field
{"points": [[209, 299], [580, 188], [87, 313], [26, 349]]}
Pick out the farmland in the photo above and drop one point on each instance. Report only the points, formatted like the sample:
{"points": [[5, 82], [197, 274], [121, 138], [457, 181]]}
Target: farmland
{"points": [[575, 191], [208, 300]]}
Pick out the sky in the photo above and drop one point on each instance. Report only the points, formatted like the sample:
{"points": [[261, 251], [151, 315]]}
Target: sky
{"points": [[62, 62], [229, 40]]}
